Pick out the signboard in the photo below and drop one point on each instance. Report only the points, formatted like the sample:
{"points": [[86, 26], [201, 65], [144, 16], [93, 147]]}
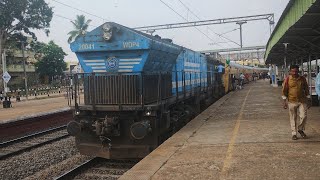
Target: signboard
{"points": [[6, 77], [243, 55]]}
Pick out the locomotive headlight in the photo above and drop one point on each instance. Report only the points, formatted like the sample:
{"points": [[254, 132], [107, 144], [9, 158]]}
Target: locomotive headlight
{"points": [[148, 113], [107, 31], [107, 27], [77, 112], [107, 36]]}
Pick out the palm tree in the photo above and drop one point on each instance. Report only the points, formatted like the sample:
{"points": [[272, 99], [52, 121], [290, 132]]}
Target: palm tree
{"points": [[80, 27]]}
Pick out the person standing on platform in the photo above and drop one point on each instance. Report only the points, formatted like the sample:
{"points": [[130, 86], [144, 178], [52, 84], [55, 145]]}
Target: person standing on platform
{"points": [[241, 78], [220, 68], [233, 81], [295, 95], [254, 76]]}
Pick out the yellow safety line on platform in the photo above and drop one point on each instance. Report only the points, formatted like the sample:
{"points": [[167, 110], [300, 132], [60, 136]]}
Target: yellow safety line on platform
{"points": [[226, 162]]}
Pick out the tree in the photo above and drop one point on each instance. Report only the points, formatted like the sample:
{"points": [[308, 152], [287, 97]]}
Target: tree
{"points": [[80, 27], [51, 63], [20, 16]]}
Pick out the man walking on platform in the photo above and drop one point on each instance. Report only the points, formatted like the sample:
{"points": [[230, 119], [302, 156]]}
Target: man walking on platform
{"points": [[295, 94]]}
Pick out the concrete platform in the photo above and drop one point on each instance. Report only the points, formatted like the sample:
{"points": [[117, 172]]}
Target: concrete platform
{"points": [[42, 105], [244, 135]]}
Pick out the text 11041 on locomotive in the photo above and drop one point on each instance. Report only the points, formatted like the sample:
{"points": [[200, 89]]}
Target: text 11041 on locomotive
{"points": [[138, 89]]}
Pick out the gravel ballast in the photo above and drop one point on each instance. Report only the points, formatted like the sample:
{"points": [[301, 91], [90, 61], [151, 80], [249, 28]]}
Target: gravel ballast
{"points": [[44, 162]]}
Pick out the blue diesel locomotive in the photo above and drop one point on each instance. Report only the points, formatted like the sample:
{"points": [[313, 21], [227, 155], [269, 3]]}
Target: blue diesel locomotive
{"points": [[138, 90]]}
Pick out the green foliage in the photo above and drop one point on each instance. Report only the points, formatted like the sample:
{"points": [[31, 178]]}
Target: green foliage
{"points": [[80, 27], [38, 48], [51, 63], [20, 16]]}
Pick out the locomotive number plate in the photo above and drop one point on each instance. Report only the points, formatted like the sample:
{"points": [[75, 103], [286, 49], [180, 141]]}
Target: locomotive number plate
{"points": [[86, 46]]}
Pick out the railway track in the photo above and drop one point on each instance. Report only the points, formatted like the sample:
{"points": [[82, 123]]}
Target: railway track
{"points": [[26, 143], [99, 168], [35, 123]]}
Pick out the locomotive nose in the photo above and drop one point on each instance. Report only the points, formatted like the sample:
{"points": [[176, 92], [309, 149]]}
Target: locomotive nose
{"points": [[73, 128]]}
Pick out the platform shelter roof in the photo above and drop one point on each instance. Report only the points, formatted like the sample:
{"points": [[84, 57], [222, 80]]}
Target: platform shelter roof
{"points": [[298, 29]]}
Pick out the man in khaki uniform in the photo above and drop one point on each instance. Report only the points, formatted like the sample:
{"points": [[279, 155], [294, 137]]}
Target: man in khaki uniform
{"points": [[295, 94]]}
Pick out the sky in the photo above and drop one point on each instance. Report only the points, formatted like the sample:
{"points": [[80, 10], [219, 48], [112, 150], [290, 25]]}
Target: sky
{"points": [[135, 13]]}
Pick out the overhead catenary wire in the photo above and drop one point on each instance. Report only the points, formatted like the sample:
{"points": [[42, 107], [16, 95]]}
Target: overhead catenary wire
{"points": [[104, 19], [187, 21], [229, 31], [220, 35], [225, 33], [60, 16], [63, 17]]}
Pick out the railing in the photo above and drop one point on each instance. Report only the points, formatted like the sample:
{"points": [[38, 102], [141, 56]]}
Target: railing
{"points": [[138, 88], [37, 91]]}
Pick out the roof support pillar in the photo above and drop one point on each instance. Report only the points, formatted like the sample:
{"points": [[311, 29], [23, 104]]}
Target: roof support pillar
{"points": [[285, 59], [309, 75]]}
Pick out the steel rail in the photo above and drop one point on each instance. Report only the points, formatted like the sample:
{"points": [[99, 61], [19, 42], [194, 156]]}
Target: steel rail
{"points": [[7, 143], [116, 169], [77, 170], [7, 153]]}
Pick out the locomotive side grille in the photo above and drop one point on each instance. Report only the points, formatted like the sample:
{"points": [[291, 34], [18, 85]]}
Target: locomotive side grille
{"points": [[111, 89], [150, 88], [209, 79], [166, 84], [156, 87]]}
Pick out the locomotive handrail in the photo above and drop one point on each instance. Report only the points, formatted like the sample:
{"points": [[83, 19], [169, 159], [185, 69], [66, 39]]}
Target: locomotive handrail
{"points": [[177, 86], [93, 97], [120, 89], [184, 84], [75, 89], [141, 89], [159, 89], [142, 72], [122, 85]]}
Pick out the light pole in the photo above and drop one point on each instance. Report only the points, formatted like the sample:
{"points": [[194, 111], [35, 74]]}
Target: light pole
{"points": [[151, 31], [24, 70], [240, 24], [271, 23], [4, 69]]}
